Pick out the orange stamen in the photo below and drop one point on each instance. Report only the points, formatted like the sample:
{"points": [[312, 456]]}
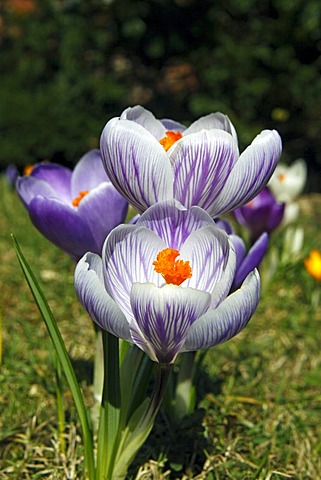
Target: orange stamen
{"points": [[28, 169], [281, 177], [170, 139], [173, 271], [76, 201]]}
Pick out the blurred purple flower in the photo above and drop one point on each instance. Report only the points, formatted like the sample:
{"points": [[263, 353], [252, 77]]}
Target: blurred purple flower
{"points": [[150, 160], [138, 291], [75, 209], [262, 214], [11, 174]]}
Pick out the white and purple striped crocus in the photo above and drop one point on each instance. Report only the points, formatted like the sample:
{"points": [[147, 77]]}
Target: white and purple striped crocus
{"points": [[261, 214], [76, 209], [150, 160], [164, 283]]}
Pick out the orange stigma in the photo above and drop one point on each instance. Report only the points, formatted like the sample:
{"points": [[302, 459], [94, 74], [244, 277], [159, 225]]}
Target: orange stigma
{"points": [[281, 177], [173, 271], [170, 139], [76, 201], [28, 169]]}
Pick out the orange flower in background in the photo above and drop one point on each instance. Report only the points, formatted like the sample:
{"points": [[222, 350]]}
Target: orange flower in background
{"points": [[21, 6], [313, 264]]}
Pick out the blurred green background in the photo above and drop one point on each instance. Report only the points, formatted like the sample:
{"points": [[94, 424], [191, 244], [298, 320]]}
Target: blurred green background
{"points": [[68, 66]]}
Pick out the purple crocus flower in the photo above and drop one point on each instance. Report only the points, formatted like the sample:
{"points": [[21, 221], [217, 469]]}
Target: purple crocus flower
{"points": [[150, 160], [262, 214], [75, 209], [141, 292], [245, 261]]}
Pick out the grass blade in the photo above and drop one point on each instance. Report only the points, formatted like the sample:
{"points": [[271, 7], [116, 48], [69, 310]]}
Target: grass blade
{"points": [[63, 356]]}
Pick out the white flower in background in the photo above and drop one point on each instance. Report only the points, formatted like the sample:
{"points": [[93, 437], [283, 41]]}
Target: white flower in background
{"points": [[286, 184]]}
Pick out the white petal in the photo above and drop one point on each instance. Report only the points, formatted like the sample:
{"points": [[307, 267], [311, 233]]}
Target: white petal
{"points": [[163, 317], [94, 298], [226, 321]]}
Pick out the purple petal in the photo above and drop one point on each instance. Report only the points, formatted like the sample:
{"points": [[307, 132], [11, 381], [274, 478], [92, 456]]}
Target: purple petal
{"points": [[276, 216], [225, 225], [146, 119], [240, 250], [94, 298], [128, 255], [102, 210], [58, 177], [212, 121], [29, 187], [136, 163], [252, 260], [163, 317], [250, 173], [174, 223], [88, 173], [202, 163], [226, 321], [62, 225]]}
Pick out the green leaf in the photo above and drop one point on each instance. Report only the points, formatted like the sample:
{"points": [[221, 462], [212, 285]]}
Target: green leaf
{"points": [[63, 356]]}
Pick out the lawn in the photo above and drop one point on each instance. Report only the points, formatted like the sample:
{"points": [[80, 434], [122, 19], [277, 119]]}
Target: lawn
{"points": [[258, 414]]}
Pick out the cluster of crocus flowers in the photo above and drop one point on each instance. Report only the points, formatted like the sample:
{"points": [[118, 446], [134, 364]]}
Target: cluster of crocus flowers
{"points": [[163, 283], [75, 209]]}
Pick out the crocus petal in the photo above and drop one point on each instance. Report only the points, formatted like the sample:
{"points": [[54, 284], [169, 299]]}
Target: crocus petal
{"points": [[136, 163], [91, 292], [250, 173], [226, 321], [212, 259], [102, 209], [29, 187], [212, 121], [240, 250], [61, 224], [146, 119], [172, 125], [128, 255], [252, 259], [163, 317], [174, 223], [88, 173], [57, 176], [202, 162], [276, 216]]}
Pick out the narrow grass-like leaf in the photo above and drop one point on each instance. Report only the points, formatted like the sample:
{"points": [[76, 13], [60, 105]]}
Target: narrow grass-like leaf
{"points": [[63, 356]]}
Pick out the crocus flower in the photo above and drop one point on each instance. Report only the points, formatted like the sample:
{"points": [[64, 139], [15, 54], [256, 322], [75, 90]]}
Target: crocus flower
{"points": [[286, 184], [150, 160], [261, 214], [75, 209], [313, 264], [163, 283], [11, 174]]}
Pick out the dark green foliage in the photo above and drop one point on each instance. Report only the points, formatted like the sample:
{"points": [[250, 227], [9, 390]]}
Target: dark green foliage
{"points": [[71, 65]]}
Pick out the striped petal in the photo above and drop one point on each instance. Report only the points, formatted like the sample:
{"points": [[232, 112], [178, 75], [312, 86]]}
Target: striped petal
{"points": [[91, 292], [212, 121], [250, 173], [136, 163], [163, 317], [146, 119], [128, 256], [219, 325], [174, 223], [202, 162]]}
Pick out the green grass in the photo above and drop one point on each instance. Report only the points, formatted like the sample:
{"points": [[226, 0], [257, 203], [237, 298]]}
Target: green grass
{"points": [[259, 410]]}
